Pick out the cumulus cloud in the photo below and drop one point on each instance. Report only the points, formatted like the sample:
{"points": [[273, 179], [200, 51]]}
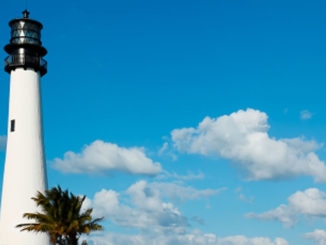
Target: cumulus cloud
{"points": [[143, 205], [310, 203], [318, 236], [191, 238], [146, 209], [243, 138], [3, 142], [104, 157], [305, 115], [283, 214]]}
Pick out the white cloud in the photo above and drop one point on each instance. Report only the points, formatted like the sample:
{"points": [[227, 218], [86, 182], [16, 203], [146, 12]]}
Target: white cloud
{"points": [[146, 209], [318, 236], [3, 142], [191, 238], [283, 214], [143, 209], [143, 205], [310, 203], [103, 157], [305, 115], [243, 137]]}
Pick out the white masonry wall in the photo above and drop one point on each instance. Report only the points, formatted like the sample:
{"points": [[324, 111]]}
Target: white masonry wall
{"points": [[25, 171]]}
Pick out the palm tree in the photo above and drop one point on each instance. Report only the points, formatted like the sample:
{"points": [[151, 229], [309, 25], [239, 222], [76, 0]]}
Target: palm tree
{"points": [[61, 217]]}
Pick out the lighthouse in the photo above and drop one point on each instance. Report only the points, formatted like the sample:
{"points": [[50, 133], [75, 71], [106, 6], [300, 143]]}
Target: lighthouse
{"points": [[25, 171]]}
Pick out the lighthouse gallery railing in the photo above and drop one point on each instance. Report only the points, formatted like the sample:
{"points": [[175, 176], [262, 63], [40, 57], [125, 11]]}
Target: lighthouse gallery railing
{"points": [[24, 61]]}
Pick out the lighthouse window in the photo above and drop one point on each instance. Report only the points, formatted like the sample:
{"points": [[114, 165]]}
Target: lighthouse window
{"points": [[12, 125]]}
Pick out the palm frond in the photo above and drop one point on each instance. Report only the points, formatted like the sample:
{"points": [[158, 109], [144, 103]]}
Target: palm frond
{"points": [[61, 217]]}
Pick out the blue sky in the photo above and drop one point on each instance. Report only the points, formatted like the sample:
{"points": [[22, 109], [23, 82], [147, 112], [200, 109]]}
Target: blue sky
{"points": [[186, 122]]}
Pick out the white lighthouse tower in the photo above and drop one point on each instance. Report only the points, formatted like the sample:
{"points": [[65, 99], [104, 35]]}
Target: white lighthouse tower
{"points": [[25, 171]]}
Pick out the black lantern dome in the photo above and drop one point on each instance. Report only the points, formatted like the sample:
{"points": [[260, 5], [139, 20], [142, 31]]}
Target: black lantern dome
{"points": [[25, 48]]}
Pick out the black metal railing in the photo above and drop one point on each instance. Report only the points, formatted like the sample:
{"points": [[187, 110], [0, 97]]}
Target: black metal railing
{"points": [[26, 61]]}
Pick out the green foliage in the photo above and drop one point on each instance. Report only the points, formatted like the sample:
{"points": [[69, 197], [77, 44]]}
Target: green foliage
{"points": [[62, 217]]}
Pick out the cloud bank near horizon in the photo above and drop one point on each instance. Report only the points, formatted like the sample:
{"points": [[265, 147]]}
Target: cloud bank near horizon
{"points": [[104, 157], [243, 138], [194, 237]]}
